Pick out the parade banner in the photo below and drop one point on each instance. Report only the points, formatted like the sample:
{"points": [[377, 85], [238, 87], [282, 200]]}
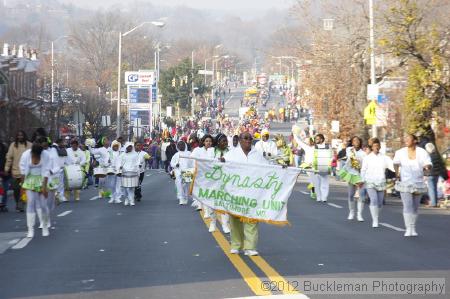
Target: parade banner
{"points": [[252, 192]]}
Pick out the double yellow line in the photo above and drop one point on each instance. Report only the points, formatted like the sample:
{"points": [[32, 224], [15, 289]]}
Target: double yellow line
{"points": [[258, 287]]}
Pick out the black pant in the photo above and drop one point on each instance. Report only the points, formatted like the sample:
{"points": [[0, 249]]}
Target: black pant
{"points": [[137, 191]]}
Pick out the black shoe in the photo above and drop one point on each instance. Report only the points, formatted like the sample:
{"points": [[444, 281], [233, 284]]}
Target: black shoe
{"points": [[138, 199]]}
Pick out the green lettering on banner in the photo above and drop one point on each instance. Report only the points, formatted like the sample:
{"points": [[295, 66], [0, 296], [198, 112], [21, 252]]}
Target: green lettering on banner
{"points": [[260, 213], [273, 205], [203, 193], [269, 182]]}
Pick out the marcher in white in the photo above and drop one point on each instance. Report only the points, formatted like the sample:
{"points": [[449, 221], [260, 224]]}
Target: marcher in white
{"points": [[219, 152], [129, 165], [351, 174], [321, 179], [75, 156], [180, 165], [143, 157], [62, 154], [410, 163], [373, 174], [116, 179], [205, 151], [266, 147], [102, 155], [53, 178], [308, 162], [244, 235], [34, 168]]}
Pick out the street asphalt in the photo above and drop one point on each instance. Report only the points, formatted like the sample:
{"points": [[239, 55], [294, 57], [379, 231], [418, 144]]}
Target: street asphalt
{"points": [[159, 249]]}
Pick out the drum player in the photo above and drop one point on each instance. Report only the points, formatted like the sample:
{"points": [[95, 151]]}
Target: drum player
{"points": [[75, 156]]}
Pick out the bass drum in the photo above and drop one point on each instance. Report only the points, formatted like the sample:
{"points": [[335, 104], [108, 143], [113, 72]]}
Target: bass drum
{"points": [[99, 172], [73, 177], [324, 157], [130, 179]]}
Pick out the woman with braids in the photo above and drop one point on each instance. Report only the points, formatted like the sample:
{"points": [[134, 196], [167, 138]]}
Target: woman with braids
{"points": [[15, 151], [351, 174], [410, 163], [220, 150], [373, 173], [205, 151], [35, 170]]}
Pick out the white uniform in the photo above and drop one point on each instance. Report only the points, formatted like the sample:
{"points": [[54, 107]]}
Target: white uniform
{"points": [[36, 202], [183, 164], [116, 181], [129, 163], [61, 163], [268, 147], [103, 156]]}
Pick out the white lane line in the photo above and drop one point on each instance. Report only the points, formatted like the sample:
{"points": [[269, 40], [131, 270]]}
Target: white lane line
{"points": [[304, 192], [335, 205], [13, 241], [229, 99], [22, 243], [65, 213], [392, 227], [94, 198]]}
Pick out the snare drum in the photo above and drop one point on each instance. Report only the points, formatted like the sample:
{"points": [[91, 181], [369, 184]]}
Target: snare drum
{"points": [[130, 179], [73, 177], [187, 175], [99, 172], [110, 170], [324, 157]]}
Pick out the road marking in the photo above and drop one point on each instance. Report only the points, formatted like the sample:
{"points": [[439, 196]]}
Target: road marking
{"points": [[392, 227], [304, 192], [65, 213], [335, 205], [22, 243], [247, 274], [273, 275], [94, 198], [13, 241], [229, 99]]}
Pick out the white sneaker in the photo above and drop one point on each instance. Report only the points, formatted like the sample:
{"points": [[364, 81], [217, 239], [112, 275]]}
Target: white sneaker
{"points": [[234, 251], [250, 252], [118, 200], [30, 233], [45, 232], [212, 227], [226, 229], [40, 225], [126, 203], [112, 200], [132, 204]]}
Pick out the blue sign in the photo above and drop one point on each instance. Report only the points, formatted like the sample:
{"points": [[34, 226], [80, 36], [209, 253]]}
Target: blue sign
{"points": [[382, 98], [133, 78], [144, 115]]}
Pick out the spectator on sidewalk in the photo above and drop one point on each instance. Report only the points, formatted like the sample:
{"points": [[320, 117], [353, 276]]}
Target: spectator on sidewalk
{"points": [[12, 168], [438, 170]]}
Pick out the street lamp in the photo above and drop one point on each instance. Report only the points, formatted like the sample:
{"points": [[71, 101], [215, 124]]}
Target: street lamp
{"points": [[372, 56], [159, 24]]}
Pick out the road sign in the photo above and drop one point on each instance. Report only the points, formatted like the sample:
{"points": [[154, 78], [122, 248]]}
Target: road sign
{"points": [[205, 72], [140, 78], [169, 111], [372, 92], [370, 113], [335, 126], [382, 98], [106, 120]]}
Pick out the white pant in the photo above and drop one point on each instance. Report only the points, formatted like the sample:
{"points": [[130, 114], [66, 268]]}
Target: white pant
{"points": [[116, 186], [321, 186], [129, 192], [61, 188], [182, 189]]}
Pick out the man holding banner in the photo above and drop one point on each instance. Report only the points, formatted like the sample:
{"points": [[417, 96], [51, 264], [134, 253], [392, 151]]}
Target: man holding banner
{"points": [[247, 188]]}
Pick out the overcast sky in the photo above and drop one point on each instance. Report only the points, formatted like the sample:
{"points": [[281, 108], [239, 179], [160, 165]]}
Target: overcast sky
{"points": [[232, 5]]}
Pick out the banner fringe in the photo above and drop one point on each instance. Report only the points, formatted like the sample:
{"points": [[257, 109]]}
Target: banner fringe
{"points": [[253, 220]]}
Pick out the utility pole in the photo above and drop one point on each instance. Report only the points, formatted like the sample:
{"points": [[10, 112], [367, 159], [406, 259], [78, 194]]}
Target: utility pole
{"points": [[372, 56], [192, 86]]}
